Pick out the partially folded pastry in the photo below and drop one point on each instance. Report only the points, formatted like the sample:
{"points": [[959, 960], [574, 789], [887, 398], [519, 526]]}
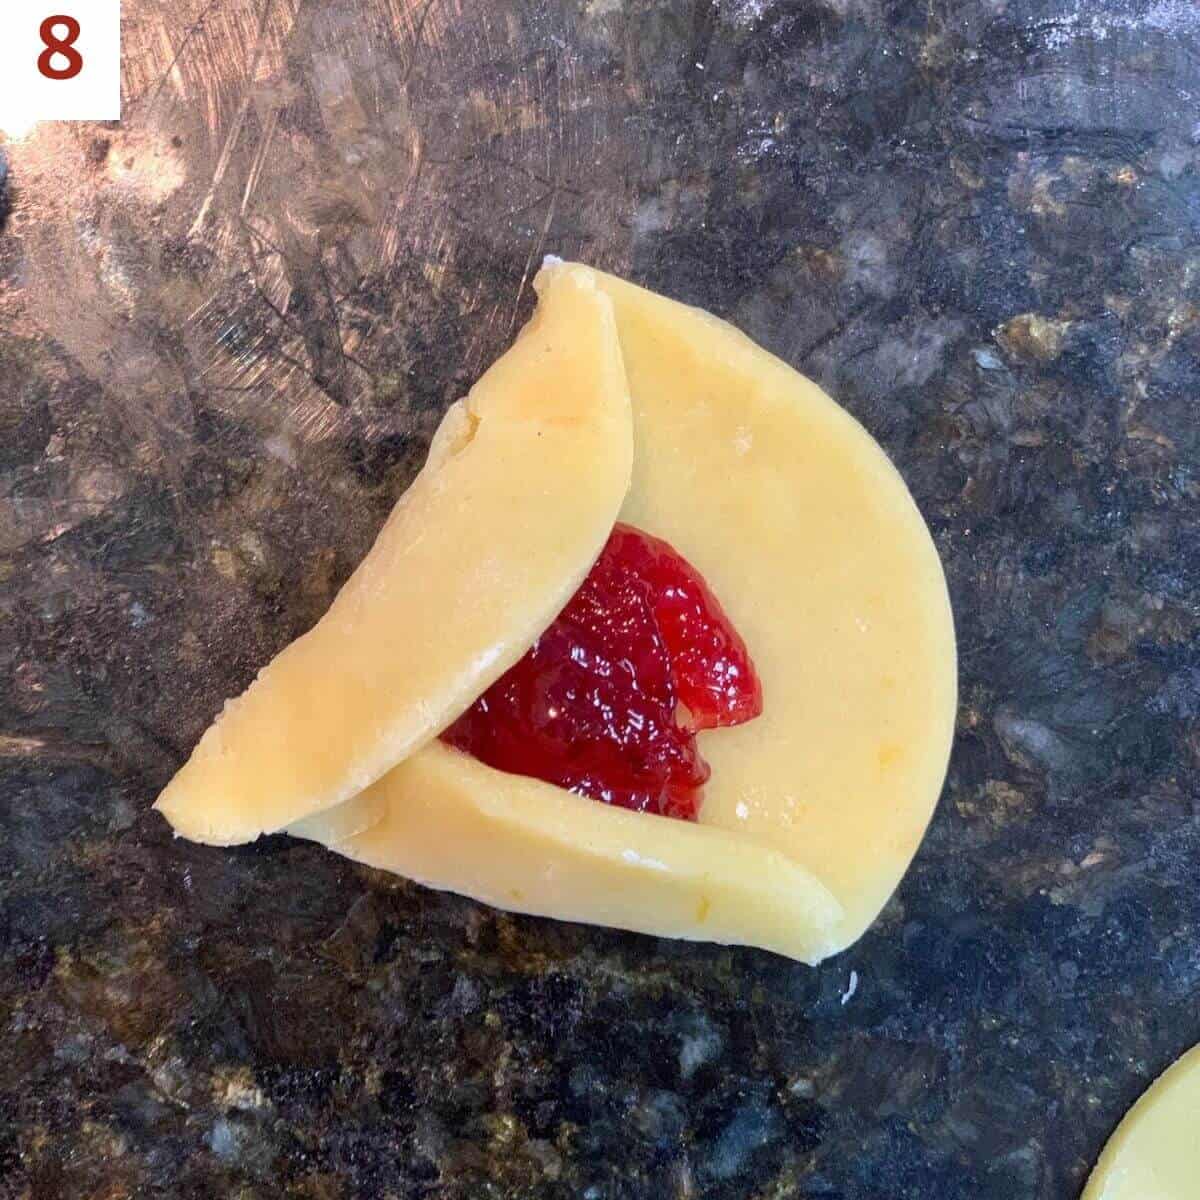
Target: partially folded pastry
{"points": [[649, 572]]}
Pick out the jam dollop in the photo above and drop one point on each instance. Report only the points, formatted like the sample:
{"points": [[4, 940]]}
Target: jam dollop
{"points": [[607, 702]]}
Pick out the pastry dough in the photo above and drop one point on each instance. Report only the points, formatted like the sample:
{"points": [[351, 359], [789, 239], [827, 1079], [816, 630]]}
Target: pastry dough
{"points": [[521, 490], [525, 845], [810, 540], [808, 536], [1155, 1152], [342, 821], [811, 543]]}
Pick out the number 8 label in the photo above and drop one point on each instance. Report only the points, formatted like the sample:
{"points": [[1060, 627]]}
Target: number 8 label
{"points": [[63, 47], [60, 60]]}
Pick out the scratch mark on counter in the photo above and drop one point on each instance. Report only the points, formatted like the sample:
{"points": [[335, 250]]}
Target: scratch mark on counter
{"points": [[239, 121], [534, 255]]}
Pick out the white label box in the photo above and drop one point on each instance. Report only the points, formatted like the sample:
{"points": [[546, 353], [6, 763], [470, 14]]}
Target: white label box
{"points": [[60, 60]]}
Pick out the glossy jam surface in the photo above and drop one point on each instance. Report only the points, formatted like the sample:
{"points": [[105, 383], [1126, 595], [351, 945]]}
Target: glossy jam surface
{"points": [[607, 702]]}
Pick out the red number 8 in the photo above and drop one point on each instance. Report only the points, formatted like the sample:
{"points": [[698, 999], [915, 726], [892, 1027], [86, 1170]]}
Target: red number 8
{"points": [[64, 46]]}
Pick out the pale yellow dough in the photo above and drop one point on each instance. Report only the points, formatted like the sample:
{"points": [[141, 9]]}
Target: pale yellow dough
{"points": [[806, 534], [525, 845], [520, 492], [342, 821], [1155, 1152], [811, 541]]}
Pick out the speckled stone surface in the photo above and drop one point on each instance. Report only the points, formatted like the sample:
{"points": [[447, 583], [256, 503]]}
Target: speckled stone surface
{"points": [[229, 326]]}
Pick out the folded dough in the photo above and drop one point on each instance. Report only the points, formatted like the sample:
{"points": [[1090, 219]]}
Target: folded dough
{"points": [[522, 486], [807, 536], [810, 540]]}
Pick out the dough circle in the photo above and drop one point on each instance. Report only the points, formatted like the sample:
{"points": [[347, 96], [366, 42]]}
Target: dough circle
{"points": [[1155, 1152]]}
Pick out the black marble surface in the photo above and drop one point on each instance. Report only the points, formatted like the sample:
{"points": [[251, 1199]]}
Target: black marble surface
{"points": [[229, 326]]}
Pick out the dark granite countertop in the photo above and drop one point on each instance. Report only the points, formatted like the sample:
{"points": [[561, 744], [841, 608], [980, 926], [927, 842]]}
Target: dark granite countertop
{"points": [[229, 326]]}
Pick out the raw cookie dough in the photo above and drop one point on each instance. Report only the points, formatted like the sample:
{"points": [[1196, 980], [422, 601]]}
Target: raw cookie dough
{"points": [[813, 545], [520, 492], [525, 845], [1155, 1152]]}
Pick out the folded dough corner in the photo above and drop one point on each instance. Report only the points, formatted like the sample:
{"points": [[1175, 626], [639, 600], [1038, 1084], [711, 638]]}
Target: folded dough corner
{"points": [[615, 403], [522, 485]]}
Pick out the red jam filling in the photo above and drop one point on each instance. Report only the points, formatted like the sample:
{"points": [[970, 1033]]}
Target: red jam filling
{"points": [[608, 700]]}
